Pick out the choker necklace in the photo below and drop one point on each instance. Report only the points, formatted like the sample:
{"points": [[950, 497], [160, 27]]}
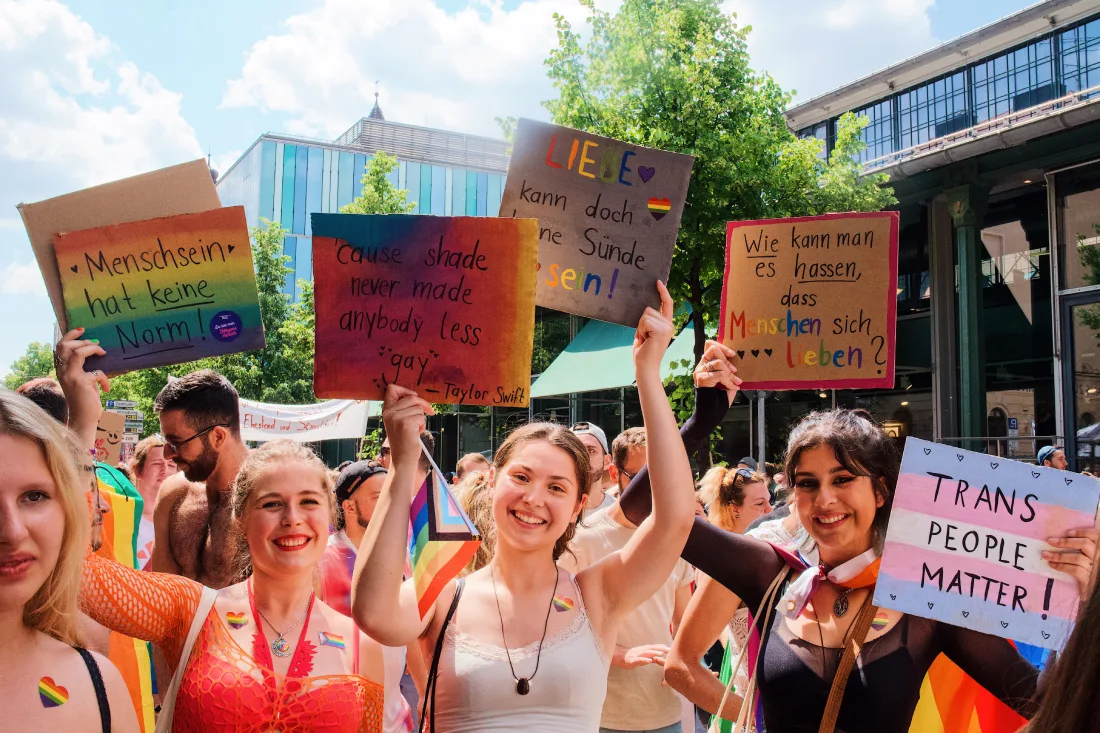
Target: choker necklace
{"points": [[523, 684], [280, 647]]}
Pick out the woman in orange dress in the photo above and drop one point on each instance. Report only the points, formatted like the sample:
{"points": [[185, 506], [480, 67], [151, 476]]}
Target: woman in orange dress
{"points": [[268, 655]]}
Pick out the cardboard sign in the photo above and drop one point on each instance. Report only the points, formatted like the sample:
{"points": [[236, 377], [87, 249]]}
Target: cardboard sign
{"points": [[608, 215], [180, 189], [108, 438], [964, 542], [811, 302], [163, 291], [442, 305]]}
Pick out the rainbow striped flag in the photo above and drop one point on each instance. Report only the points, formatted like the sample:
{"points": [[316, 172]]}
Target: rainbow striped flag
{"points": [[951, 701], [131, 656], [442, 539]]}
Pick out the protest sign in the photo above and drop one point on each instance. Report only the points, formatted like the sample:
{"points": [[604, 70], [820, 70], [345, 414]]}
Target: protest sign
{"points": [[442, 305], [162, 291], [608, 214], [964, 542], [108, 438], [180, 189], [331, 420], [811, 302]]}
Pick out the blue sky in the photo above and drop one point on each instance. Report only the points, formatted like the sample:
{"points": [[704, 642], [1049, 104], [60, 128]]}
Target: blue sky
{"points": [[95, 91]]}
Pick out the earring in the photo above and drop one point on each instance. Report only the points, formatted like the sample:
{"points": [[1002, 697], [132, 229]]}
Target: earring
{"points": [[737, 515]]}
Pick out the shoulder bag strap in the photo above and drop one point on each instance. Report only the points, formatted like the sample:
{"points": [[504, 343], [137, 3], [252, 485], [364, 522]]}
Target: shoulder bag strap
{"points": [[168, 706], [857, 634], [100, 689], [433, 673], [767, 603]]}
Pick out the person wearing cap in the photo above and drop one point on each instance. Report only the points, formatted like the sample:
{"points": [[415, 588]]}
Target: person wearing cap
{"points": [[747, 462], [1052, 457], [357, 490], [595, 442]]}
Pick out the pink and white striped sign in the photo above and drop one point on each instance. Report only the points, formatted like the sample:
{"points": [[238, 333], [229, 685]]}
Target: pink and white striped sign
{"points": [[964, 542]]}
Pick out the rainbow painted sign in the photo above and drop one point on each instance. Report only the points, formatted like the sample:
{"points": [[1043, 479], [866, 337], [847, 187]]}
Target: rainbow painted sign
{"points": [[443, 305], [964, 542], [608, 211], [162, 291]]}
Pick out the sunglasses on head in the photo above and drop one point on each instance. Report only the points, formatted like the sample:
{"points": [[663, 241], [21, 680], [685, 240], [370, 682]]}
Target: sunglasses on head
{"points": [[744, 473]]}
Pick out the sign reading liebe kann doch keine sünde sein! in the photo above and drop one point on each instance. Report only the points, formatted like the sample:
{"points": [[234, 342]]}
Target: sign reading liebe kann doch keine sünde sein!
{"points": [[608, 215], [965, 540], [162, 291], [442, 305], [811, 302]]}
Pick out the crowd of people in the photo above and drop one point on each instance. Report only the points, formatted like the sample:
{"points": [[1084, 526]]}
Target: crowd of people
{"points": [[610, 586]]}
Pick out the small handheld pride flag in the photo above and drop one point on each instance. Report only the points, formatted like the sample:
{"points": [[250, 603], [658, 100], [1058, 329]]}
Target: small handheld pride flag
{"points": [[442, 540]]}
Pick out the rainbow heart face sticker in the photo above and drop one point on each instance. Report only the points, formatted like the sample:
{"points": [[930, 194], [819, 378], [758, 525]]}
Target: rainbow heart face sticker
{"points": [[236, 620], [330, 639], [51, 694], [881, 621], [563, 604], [659, 207]]}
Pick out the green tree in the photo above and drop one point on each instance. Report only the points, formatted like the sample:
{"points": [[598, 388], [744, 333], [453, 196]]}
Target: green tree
{"points": [[37, 362], [379, 195], [676, 76]]}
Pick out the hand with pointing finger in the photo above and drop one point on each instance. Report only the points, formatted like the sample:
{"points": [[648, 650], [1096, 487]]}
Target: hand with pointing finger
{"points": [[654, 334]]}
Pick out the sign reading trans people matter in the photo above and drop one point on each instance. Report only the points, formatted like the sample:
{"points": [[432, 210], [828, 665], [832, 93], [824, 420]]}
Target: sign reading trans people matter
{"points": [[811, 302], [965, 540], [608, 213]]}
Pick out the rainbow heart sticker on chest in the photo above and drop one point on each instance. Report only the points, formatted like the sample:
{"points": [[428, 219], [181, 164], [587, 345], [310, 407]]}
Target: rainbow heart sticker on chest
{"points": [[563, 604], [51, 694], [236, 620], [881, 621]]}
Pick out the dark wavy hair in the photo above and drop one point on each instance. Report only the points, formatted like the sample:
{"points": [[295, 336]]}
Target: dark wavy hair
{"points": [[860, 445]]}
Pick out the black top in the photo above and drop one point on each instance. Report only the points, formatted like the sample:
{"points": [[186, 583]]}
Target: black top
{"points": [[100, 690], [794, 676]]}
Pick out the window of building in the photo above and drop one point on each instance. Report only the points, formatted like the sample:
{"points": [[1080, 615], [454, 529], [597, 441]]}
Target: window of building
{"points": [[933, 110], [821, 132], [1080, 55], [1014, 81], [879, 133], [1079, 209]]}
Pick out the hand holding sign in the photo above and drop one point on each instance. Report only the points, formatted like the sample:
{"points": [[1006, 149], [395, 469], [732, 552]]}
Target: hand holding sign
{"points": [[716, 369], [81, 387], [1075, 555], [404, 413]]}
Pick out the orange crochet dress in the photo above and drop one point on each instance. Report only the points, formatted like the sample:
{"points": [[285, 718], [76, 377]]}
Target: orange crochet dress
{"points": [[225, 687]]}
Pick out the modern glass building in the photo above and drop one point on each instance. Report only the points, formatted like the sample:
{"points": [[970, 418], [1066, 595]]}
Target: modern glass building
{"points": [[992, 145]]}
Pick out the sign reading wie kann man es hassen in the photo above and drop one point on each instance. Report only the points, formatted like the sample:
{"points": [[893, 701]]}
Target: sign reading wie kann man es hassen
{"points": [[608, 215], [811, 302]]}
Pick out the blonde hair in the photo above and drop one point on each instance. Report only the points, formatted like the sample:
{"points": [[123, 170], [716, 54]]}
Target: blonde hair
{"points": [[558, 436], [722, 490], [53, 608], [254, 468], [477, 502]]}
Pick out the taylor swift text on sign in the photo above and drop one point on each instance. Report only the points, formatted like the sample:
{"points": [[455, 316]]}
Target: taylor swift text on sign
{"points": [[811, 302], [608, 215]]}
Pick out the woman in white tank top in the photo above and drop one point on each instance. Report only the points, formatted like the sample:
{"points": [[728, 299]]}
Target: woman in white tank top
{"points": [[528, 646]]}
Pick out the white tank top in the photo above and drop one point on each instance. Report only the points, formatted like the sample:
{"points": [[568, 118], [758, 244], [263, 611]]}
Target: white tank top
{"points": [[476, 693]]}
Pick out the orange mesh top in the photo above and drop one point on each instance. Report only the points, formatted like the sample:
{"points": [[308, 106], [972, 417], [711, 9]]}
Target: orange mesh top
{"points": [[224, 687]]}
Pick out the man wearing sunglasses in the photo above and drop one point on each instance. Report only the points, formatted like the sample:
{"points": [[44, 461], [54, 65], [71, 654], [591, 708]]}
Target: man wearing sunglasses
{"points": [[200, 422]]}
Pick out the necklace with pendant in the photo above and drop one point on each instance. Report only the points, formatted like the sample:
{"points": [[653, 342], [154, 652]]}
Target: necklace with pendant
{"points": [[523, 684], [280, 647], [840, 605]]}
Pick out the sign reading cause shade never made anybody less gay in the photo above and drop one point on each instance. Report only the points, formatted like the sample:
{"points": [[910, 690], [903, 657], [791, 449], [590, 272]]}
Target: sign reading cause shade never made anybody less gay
{"points": [[442, 305], [811, 302], [965, 540], [608, 214], [162, 291]]}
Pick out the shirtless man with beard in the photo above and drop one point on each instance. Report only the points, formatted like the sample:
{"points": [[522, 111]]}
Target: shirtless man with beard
{"points": [[200, 423]]}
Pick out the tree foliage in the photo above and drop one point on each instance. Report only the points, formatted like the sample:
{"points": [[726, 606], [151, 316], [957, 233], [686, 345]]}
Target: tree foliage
{"points": [[676, 76], [379, 195], [37, 362]]}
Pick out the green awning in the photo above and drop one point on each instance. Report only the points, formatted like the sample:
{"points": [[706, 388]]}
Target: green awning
{"points": [[601, 357]]}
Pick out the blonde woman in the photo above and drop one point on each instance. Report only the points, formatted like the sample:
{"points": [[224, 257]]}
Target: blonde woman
{"points": [[47, 681], [267, 654]]}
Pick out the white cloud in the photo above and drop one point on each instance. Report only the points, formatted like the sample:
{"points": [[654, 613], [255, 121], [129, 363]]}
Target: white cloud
{"points": [[222, 161], [73, 109], [451, 70], [17, 278], [815, 46]]}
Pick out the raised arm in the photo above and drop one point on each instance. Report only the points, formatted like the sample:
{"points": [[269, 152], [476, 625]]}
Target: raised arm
{"points": [[994, 664], [154, 607], [707, 614], [381, 603], [636, 572]]}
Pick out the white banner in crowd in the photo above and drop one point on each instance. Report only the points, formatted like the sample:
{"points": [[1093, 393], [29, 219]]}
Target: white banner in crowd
{"points": [[331, 420]]}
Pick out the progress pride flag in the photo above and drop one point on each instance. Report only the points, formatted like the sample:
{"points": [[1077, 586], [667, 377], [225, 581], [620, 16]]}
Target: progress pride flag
{"points": [[965, 540]]}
